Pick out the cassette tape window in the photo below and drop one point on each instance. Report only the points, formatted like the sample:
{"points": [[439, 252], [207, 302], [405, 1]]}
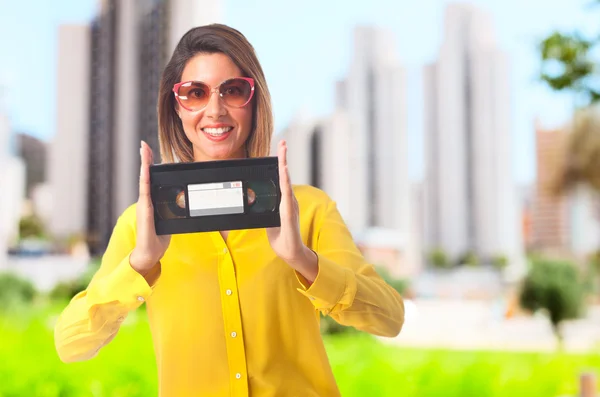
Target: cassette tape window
{"points": [[216, 198]]}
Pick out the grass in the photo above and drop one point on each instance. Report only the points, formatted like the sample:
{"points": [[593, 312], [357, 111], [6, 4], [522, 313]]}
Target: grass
{"points": [[362, 365]]}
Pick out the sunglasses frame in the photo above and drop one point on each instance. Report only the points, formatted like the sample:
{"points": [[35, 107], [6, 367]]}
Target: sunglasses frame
{"points": [[215, 90]]}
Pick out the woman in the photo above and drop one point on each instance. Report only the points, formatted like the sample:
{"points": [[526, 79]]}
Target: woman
{"points": [[231, 313]]}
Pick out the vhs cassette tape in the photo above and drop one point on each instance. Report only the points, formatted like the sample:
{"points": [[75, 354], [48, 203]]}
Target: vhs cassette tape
{"points": [[215, 195]]}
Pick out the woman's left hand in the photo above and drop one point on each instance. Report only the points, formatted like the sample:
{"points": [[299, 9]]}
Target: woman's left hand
{"points": [[286, 240]]}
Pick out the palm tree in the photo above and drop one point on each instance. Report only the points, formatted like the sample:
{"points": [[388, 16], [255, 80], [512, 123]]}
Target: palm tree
{"points": [[568, 65], [581, 162]]}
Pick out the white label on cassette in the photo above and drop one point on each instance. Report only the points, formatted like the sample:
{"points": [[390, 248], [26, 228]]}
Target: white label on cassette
{"points": [[219, 198]]}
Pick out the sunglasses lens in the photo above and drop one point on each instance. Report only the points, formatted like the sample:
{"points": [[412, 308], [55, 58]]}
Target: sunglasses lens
{"points": [[194, 95], [236, 92]]}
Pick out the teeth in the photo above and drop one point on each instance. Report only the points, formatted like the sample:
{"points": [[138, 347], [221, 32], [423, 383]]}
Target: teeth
{"points": [[217, 131]]}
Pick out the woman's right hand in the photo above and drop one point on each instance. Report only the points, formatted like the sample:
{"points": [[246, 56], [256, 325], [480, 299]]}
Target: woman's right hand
{"points": [[149, 247]]}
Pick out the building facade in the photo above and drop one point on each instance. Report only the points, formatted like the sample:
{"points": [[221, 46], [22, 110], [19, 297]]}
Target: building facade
{"points": [[373, 97], [471, 204], [550, 212], [68, 158], [131, 42], [358, 154]]}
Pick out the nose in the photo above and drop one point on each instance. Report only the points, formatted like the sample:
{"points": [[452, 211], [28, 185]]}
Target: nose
{"points": [[214, 107]]}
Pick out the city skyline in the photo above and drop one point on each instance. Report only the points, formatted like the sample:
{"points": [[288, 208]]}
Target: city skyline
{"points": [[517, 33], [469, 129]]}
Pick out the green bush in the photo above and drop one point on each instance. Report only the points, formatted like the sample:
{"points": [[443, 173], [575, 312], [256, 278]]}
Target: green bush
{"points": [[31, 227], [500, 262], [469, 258], [439, 259], [556, 288], [15, 290], [66, 290]]}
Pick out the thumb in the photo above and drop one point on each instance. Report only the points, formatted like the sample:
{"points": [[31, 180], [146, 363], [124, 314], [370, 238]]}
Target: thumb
{"points": [[146, 160]]}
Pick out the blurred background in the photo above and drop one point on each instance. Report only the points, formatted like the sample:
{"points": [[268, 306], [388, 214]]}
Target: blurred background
{"points": [[461, 142]]}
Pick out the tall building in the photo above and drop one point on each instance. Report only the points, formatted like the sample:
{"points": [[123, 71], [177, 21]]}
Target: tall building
{"points": [[319, 156], [358, 154], [373, 98], [471, 198], [33, 153], [131, 43], [550, 212], [101, 158], [67, 161]]}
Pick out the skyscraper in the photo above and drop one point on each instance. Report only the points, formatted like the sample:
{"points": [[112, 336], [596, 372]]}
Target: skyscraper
{"points": [[67, 160], [358, 154], [550, 217], [131, 43], [101, 157], [470, 199], [373, 98], [319, 156]]}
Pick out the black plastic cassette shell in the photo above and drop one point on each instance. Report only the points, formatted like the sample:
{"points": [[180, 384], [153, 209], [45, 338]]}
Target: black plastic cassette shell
{"points": [[182, 174]]}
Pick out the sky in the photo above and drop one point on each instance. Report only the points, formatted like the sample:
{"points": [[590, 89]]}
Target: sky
{"points": [[304, 47]]}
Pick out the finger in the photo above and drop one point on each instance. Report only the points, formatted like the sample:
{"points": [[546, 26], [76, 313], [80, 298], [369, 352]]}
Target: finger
{"points": [[146, 159], [284, 174]]}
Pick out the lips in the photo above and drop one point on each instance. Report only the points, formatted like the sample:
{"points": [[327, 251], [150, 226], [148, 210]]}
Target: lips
{"points": [[217, 133]]}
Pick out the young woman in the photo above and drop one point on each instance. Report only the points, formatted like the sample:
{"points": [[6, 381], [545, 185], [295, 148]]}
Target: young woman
{"points": [[232, 313]]}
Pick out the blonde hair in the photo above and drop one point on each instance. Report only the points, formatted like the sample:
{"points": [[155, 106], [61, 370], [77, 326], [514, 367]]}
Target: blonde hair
{"points": [[210, 39]]}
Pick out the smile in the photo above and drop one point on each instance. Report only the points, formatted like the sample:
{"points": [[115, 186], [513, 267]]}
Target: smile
{"points": [[217, 131]]}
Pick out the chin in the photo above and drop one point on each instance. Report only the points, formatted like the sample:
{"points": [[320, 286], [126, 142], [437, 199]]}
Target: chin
{"points": [[223, 154]]}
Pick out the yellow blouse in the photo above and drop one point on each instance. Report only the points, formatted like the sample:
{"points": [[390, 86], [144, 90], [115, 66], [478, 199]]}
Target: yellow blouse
{"points": [[229, 318]]}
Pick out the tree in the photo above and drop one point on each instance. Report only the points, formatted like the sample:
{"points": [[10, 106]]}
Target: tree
{"points": [[556, 288], [581, 162], [568, 64]]}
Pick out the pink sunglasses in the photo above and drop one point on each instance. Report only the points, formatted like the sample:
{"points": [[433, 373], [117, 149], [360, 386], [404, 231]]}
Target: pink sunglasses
{"points": [[195, 95]]}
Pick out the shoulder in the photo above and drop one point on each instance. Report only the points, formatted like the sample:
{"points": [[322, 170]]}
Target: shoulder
{"points": [[128, 216], [306, 194], [313, 203]]}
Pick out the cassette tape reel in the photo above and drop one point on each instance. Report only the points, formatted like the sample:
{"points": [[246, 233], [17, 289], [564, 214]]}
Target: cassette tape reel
{"points": [[170, 202], [261, 196]]}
